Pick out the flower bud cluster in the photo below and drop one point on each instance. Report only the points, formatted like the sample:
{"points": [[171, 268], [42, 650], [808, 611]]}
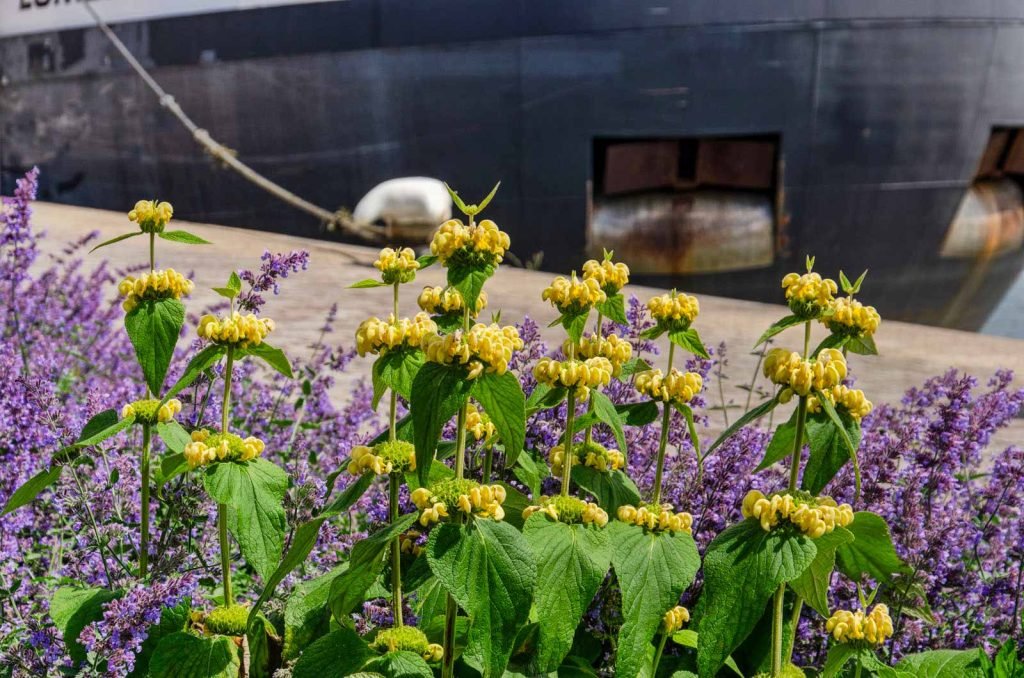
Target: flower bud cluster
{"points": [[569, 510], [656, 518], [467, 496], [407, 639], [390, 456], [572, 296], [236, 329], [379, 336], [481, 244], [679, 387], [850, 399], [591, 454], [614, 348], [448, 301], [814, 517], [411, 543], [207, 447], [873, 628], [809, 295], [578, 375], [484, 348], [674, 311], [789, 369], [167, 284], [478, 423], [227, 620], [674, 620], [151, 215], [150, 411], [612, 277], [851, 318], [397, 266]]}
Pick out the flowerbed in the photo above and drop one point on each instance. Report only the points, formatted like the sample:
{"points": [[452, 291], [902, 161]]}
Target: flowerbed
{"points": [[287, 534]]}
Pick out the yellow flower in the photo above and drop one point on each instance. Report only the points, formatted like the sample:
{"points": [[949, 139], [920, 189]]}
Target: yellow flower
{"points": [[656, 518], [569, 510], [478, 423], [476, 245], [207, 447], [674, 620], [236, 329], [464, 495], [391, 456], [445, 301], [591, 454], [397, 266], [788, 368], [674, 311], [166, 284], [485, 348], [151, 215], [814, 517], [578, 375], [850, 399], [808, 295], [617, 350], [851, 318], [611, 277], [410, 543], [679, 387], [572, 296], [872, 629], [150, 411], [380, 336]]}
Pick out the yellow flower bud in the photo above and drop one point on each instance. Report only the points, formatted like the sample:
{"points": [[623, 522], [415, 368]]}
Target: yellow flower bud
{"points": [[397, 266]]}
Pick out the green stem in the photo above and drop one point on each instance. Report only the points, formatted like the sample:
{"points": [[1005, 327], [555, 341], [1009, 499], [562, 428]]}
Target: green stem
{"points": [[589, 436], [448, 662], [488, 462], [222, 509], [794, 620], [798, 443], [392, 415], [777, 630], [856, 673], [144, 475], [663, 441], [570, 420], [657, 654], [152, 252], [394, 481]]}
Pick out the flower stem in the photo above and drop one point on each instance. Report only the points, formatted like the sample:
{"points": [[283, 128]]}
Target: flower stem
{"points": [[394, 481], [663, 441], [448, 662], [144, 475], [794, 620], [589, 437], [152, 252], [570, 420], [488, 462], [657, 654], [777, 630], [222, 509]]}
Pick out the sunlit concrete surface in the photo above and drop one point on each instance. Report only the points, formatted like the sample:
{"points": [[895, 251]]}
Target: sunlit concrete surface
{"points": [[909, 353]]}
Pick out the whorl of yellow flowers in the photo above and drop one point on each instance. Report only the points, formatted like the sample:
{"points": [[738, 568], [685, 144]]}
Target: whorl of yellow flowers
{"points": [[407, 639], [236, 329], [809, 295], [591, 454], [850, 399], [569, 510], [207, 447], [572, 296], [397, 266], [814, 517], [679, 387], [474, 245], [873, 628], [390, 456], [478, 423], [612, 277], [851, 318], [656, 518], [379, 336], [459, 494], [674, 310], [674, 620], [788, 368], [578, 375], [166, 284], [448, 300], [617, 350], [151, 215], [484, 348], [150, 411]]}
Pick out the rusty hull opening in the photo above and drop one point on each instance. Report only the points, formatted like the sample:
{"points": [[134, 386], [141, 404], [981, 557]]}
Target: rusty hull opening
{"points": [[671, 206]]}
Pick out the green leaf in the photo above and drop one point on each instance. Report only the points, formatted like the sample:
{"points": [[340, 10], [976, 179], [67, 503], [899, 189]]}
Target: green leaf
{"points": [[839, 655], [842, 428], [487, 201], [368, 283], [639, 414], [614, 308], [779, 326], [183, 655], [611, 489], [607, 414], [489, 569], [171, 466], [862, 345], [690, 341], [253, 492], [813, 584], [633, 366], [574, 324], [653, 570], [32, 488], [743, 567], [426, 261], [174, 435], [396, 370], [306, 615], [201, 362], [653, 332], [184, 237], [781, 445], [400, 664], [515, 503], [455, 198], [831, 341], [348, 590], [349, 496], [438, 391], [871, 552], [528, 473], [502, 398], [688, 638], [119, 238], [340, 653], [572, 561], [543, 397], [72, 609], [943, 664], [748, 418], [153, 327], [303, 541], [829, 452], [172, 620], [468, 280], [271, 355]]}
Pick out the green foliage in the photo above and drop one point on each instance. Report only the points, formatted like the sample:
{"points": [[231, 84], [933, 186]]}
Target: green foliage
{"points": [[611, 489], [233, 287], [32, 488], [172, 620], [123, 236], [814, 583], [748, 418], [396, 369], [502, 398], [229, 620], [871, 553], [438, 391], [306, 615], [201, 362], [829, 450], [153, 327], [399, 664], [689, 340], [368, 283], [844, 430], [779, 326], [943, 664], [469, 279], [182, 237], [73, 608], [781, 445], [574, 324], [271, 355], [614, 309], [1006, 664], [606, 413], [183, 655]]}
